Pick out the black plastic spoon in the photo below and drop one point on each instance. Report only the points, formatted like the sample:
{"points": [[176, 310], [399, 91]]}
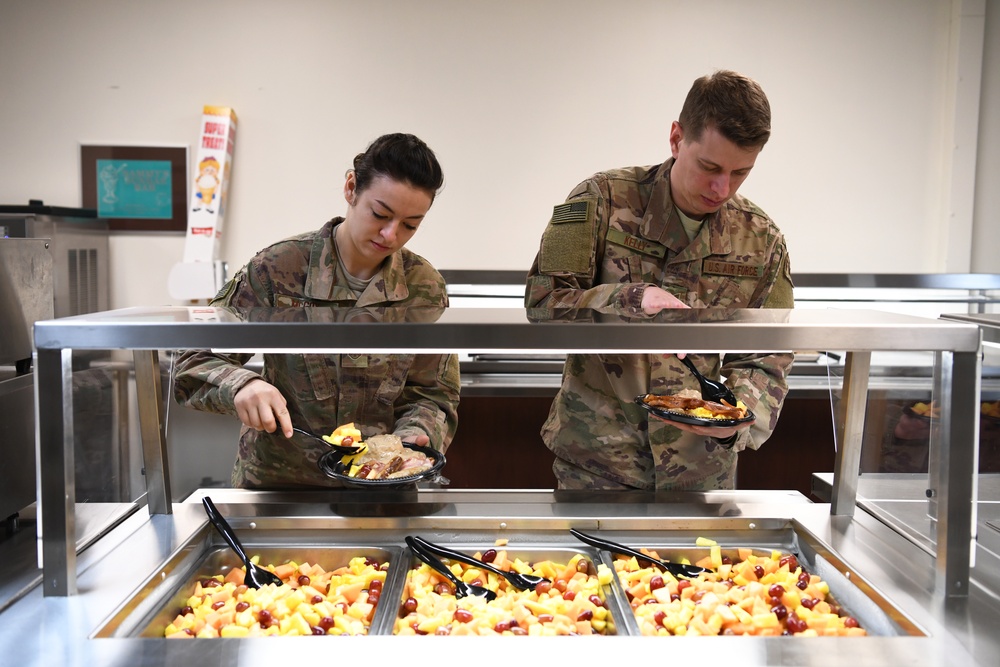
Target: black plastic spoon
{"points": [[256, 575], [340, 449], [710, 389], [462, 589], [517, 580], [676, 569]]}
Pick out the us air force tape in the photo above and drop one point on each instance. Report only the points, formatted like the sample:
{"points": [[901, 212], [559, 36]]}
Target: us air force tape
{"points": [[716, 268]]}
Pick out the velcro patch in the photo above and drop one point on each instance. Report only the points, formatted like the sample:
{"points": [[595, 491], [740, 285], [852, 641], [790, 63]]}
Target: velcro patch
{"points": [[734, 269], [569, 248]]}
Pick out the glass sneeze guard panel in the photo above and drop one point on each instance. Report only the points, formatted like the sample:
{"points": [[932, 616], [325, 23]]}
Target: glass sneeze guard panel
{"points": [[146, 330]]}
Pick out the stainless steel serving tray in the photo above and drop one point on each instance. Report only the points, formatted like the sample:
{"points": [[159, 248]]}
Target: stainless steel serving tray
{"points": [[154, 603], [530, 552]]}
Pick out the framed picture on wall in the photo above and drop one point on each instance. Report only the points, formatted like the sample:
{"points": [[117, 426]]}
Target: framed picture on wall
{"points": [[136, 188]]}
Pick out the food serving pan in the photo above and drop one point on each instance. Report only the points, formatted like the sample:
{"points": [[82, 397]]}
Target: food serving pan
{"points": [[153, 606], [155, 602], [877, 615], [533, 553]]}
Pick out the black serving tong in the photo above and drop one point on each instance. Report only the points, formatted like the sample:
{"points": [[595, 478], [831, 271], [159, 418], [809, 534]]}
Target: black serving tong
{"points": [[676, 569], [462, 589], [256, 575], [517, 580], [710, 389]]}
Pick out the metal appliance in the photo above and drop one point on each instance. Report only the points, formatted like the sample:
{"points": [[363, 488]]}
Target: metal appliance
{"points": [[53, 263], [79, 245], [25, 297]]}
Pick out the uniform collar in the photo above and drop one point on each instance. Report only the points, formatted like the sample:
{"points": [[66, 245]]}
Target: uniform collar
{"points": [[660, 223], [389, 284]]}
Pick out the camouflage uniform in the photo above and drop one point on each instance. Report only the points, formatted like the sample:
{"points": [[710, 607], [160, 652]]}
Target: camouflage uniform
{"points": [[404, 394], [618, 233]]}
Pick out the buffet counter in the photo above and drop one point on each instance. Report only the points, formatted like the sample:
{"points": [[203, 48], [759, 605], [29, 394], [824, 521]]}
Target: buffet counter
{"points": [[100, 604], [132, 577]]}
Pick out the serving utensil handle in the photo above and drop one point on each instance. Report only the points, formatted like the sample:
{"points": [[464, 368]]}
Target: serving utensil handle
{"points": [[426, 556], [455, 555], [614, 547], [227, 532]]}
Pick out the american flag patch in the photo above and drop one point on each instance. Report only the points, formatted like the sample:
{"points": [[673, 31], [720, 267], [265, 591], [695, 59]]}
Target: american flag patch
{"points": [[575, 211]]}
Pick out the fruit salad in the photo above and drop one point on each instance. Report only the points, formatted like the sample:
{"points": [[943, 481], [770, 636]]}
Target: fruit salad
{"points": [[310, 601], [571, 604], [763, 595]]}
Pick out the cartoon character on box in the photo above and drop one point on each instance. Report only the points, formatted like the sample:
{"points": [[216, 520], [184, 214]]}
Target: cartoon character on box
{"points": [[207, 183]]}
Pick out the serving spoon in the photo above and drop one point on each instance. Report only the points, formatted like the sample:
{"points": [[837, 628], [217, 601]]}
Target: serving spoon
{"points": [[710, 389], [340, 449], [462, 589], [520, 581], [676, 569], [256, 576]]}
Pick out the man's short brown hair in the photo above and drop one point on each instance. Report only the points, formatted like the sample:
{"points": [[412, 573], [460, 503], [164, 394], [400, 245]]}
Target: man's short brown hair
{"points": [[733, 104]]}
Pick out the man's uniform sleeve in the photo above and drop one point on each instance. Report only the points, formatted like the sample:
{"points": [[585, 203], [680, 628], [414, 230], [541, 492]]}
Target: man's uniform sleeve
{"points": [[759, 380], [566, 267]]}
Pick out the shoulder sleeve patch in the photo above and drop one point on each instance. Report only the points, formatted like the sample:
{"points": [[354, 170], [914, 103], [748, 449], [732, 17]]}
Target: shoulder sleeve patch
{"points": [[226, 292], [753, 209], [568, 241]]}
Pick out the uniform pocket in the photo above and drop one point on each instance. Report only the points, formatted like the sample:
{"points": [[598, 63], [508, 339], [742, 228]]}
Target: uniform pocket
{"points": [[395, 369], [729, 294], [307, 377]]}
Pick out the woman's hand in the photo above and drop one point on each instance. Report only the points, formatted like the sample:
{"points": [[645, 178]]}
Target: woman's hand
{"points": [[655, 299], [261, 406]]}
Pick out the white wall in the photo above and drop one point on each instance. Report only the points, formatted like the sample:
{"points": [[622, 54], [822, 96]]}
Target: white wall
{"points": [[986, 237], [521, 100]]}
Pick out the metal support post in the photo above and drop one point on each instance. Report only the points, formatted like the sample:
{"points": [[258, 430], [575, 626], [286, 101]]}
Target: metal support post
{"points": [[154, 442], [850, 435]]}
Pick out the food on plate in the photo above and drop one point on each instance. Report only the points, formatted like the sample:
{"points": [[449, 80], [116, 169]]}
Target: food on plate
{"points": [[690, 402], [990, 409], [311, 601], [381, 456], [346, 436], [929, 410], [387, 458], [763, 595], [571, 604]]}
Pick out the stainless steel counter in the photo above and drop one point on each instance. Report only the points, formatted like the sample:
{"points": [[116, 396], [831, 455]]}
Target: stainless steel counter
{"points": [[53, 623], [136, 556]]}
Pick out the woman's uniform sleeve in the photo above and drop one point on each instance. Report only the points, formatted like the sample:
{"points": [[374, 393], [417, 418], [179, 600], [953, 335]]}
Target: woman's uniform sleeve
{"points": [[429, 401], [208, 381]]}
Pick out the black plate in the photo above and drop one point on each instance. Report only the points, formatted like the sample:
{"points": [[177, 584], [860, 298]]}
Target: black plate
{"points": [[909, 411], [330, 465], [683, 418]]}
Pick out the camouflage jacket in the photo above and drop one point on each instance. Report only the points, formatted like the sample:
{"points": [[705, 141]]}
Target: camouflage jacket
{"points": [[617, 233], [405, 394]]}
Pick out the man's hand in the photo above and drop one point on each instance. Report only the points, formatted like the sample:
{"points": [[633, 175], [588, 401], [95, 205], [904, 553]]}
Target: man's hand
{"points": [[420, 440], [261, 406], [655, 299], [719, 432]]}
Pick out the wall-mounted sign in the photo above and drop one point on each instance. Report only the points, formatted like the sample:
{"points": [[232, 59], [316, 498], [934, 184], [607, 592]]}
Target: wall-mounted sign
{"points": [[136, 187]]}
